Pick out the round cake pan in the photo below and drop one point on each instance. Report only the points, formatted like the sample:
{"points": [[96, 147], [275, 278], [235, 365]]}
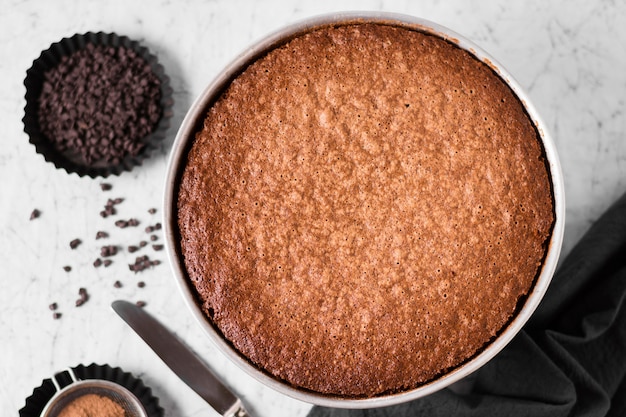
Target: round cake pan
{"points": [[192, 124]]}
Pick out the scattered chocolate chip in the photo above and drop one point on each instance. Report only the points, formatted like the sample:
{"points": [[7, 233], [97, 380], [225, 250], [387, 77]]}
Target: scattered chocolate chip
{"points": [[35, 214], [153, 237], [82, 292], [142, 243], [107, 262], [125, 223], [121, 224], [109, 250], [152, 210], [150, 229], [67, 268], [157, 247], [56, 315], [140, 303], [141, 284], [53, 306], [132, 248], [74, 243], [109, 207], [141, 263], [105, 186], [102, 235], [97, 262], [117, 284], [156, 262]]}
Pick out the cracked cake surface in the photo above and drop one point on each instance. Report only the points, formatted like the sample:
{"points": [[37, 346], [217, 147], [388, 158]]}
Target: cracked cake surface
{"points": [[364, 209]]}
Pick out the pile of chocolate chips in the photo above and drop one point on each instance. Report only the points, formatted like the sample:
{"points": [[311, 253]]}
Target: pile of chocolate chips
{"points": [[99, 104]]}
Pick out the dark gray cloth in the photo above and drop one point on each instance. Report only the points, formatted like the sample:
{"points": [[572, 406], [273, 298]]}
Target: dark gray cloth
{"points": [[570, 358]]}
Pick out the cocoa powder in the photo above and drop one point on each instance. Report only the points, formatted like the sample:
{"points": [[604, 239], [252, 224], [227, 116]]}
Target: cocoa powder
{"points": [[92, 405]]}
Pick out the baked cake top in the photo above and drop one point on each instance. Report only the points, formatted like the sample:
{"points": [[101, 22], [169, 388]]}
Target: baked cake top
{"points": [[364, 209]]}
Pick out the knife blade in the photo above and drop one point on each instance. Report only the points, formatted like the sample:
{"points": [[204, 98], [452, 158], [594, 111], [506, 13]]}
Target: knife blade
{"points": [[180, 359]]}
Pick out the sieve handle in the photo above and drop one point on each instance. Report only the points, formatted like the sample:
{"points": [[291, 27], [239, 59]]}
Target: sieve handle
{"points": [[57, 384]]}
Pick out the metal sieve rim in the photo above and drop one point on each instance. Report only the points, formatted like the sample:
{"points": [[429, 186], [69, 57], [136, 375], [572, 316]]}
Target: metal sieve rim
{"points": [[77, 388]]}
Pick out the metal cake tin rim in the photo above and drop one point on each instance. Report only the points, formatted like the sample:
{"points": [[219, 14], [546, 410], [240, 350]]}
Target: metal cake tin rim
{"points": [[196, 114]]}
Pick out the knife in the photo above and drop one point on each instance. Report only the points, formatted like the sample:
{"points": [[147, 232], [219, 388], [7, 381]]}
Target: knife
{"points": [[181, 360]]}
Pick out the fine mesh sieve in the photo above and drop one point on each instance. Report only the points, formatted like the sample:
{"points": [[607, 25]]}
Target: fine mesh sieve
{"points": [[64, 396]]}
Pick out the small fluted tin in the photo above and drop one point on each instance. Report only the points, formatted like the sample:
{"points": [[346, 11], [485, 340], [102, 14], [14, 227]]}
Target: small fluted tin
{"points": [[69, 160]]}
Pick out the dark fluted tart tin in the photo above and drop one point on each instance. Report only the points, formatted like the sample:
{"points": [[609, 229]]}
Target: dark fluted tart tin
{"points": [[41, 396], [70, 161]]}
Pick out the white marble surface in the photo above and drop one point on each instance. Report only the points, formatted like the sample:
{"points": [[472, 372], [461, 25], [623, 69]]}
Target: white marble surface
{"points": [[568, 54]]}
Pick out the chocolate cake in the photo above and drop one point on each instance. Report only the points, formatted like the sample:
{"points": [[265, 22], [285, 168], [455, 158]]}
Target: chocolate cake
{"points": [[364, 209]]}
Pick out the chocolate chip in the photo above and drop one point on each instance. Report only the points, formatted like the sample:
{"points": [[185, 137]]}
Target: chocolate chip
{"points": [[141, 263], [67, 268], [102, 235], [53, 306], [56, 315], [74, 243], [132, 248], [125, 223], [109, 250], [117, 284], [153, 237], [35, 214], [157, 247], [142, 243], [109, 207], [107, 262], [105, 186], [97, 262], [152, 210], [141, 284], [82, 292], [140, 303], [151, 229]]}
